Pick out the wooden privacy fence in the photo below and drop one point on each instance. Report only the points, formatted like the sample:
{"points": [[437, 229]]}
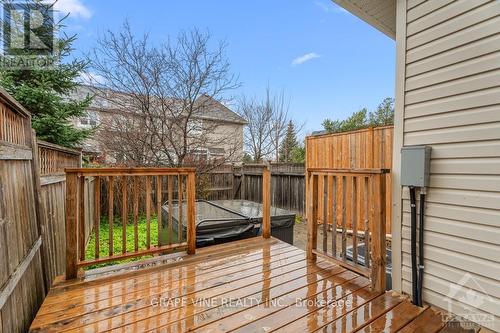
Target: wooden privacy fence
{"points": [[54, 158], [355, 198], [22, 287], [363, 149], [154, 180], [32, 231], [52, 161], [245, 182]]}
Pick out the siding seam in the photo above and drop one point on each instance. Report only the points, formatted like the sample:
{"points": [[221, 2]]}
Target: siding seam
{"points": [[449, 19], [455, 47]]}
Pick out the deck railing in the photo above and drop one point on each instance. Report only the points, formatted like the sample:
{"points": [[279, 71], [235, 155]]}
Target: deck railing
{"points": [[353, 197], [129, 187]]}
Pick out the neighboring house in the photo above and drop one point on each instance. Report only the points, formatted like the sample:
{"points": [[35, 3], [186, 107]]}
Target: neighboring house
{"points": [[225, 133], [448, 97]]}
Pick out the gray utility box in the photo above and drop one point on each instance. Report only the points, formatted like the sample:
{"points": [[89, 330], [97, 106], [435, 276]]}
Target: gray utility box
{"points": [[415, 165]]}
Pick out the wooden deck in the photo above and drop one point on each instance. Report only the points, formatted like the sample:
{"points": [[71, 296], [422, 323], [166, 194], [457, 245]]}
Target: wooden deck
{"points": [[251, 285]]}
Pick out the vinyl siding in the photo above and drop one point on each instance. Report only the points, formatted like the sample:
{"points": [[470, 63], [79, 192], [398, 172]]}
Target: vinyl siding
{"points": [[452, 102]]}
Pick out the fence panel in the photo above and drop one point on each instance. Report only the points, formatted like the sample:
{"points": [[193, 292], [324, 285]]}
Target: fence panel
{"points": [[53, 159], [287, 185], [22, 287], [245, 182], [364, 149]]}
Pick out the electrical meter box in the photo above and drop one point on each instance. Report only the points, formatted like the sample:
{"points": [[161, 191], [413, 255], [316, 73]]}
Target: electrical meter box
{"points": [[415, 165]]}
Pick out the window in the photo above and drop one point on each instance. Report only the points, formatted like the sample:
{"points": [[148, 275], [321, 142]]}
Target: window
{"points": [[195, 127], [90, 119]]}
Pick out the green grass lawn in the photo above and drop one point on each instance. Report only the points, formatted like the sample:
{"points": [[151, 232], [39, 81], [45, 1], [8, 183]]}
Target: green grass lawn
{"points": [[117, 239]]}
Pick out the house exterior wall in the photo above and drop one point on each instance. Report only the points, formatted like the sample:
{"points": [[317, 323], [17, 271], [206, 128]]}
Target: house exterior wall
{"points": [[448, 97], [228, 136], [223, 135], [223, 129]]}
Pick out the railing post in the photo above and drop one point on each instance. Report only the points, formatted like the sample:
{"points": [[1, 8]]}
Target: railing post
{"points": [[377, 226], [81, 218], [312, 215], [71, 225], [191, 212], [266, 203]]}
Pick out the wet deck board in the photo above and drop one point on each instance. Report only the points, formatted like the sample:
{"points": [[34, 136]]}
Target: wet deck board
{"points": [[252, 285]]}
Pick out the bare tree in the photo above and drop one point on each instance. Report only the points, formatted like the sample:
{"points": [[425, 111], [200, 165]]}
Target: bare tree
{"points": [[267, 122], [279, 120], [164, 95], [257, 134]]}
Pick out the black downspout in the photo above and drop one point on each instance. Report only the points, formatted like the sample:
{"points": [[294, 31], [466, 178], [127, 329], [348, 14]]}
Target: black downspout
{"points": [[413, 245], [421, 246]]}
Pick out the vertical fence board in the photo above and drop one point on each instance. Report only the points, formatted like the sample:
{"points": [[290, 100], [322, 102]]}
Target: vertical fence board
{"points": [[170, 184], [313, 217], [266, 203], [148, 212], [136, 213], [158, 206], [325, 213], [124, 184], [367, 148], [180, 198], [191, 213], [111, 214], [81, 213], [71, 225], [97, 214]]}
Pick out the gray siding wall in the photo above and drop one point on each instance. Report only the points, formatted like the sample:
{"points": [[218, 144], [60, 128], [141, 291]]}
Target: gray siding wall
{"points": [[452, 102]]}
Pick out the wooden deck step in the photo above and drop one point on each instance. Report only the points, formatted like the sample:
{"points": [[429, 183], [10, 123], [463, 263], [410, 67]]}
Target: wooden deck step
{"points": [[428, 321], [353, 318], [363, 315], [393, 320]]}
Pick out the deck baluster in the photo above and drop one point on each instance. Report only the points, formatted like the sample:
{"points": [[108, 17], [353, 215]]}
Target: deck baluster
{"points": [[124, 184], [352, 199], [110, 213], [148, 212], [97, 215], [83, 204]]}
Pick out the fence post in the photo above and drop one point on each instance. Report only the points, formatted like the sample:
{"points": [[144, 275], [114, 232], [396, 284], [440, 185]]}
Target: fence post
{"points": [[266, 203], [377, 221], [71, 225], [35, 168], [191, 212], [242, 188], [312, 215]]}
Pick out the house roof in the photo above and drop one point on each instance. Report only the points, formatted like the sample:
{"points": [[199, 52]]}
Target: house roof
{"points": [[214, 109], [219, 111], [381, 14]]}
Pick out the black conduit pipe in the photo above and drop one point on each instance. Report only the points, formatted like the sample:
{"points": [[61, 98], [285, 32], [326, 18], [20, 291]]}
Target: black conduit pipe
{"points": [[414, 277], [421, 246]]}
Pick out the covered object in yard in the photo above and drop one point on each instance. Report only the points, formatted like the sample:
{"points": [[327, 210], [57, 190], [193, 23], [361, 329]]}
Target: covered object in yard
{"points": [[226, 220], [214, 224], [282, 220]]}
